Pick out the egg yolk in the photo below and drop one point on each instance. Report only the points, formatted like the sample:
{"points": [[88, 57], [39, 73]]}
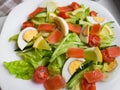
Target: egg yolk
{"points": [[28, 35], [74, 65], [99, 19]]}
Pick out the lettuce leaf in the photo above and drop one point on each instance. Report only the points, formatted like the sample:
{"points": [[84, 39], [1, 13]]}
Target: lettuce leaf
{"points": [[106, 40], [36, 57], [20, 68], [31, 59], [71, 40], [56, 66]]}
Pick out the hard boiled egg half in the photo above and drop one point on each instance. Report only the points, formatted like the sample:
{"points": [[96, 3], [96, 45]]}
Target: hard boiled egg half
{"points": [[25, 36], [70, 66], [96, 19]]}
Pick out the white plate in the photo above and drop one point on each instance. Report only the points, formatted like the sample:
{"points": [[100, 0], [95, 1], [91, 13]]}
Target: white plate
{"points": [[12, 26]]}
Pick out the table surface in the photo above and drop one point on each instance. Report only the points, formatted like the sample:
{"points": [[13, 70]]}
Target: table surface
{"points": [[109, 4]]}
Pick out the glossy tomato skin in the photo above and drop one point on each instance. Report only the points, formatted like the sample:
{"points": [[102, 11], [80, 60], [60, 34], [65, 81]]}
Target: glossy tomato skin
{"points": [[65, 9], [64, 15], [95, 29], [27, 24], [56, 82], [36, 11], [93, 13], [106, 58], [46, 27], [41, 74], [94, 76], [55, 37], [75, 5], [84, 85], [94, 40], [75, 28]]}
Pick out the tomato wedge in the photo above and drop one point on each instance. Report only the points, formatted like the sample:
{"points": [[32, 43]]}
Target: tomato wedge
{"points": [[46, 27], [64, 15], [36, 11], [94, 40], [75, 28], [93, 76], [55, 83], [75, 52], [93, 13], [41, 74], [105, 56], [84, 85], [27, 24], [113, 51], [75, 5], [95, 29], [65, 9], [55, 37]]}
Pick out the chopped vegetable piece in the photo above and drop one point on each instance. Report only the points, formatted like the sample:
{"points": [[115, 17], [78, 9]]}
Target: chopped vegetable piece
{"points": [[94, 40], [108, 67], [27, 24], [113, 51], [75, 5], [95, 29], [64, 15], [36, 11], [46, 27], [93, 76], [41, 74], [74, 28], [55, 83], [41, 43], [93, 13], [65, 9], [78, 74], [105, 56], [84, 85], [75, 52], [55, 37]]}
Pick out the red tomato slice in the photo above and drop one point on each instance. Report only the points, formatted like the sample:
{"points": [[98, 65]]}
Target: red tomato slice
{"points": [[55, 37], [65, 9], [113, 51], [74, 28], [75, 5], [36, 11], [55, 83], [64, 15], [75, 52], [46, 27], [41, 74], [93, 13], [95, 29], [93, 76], [84, 85], [106, 58], [94, 40], [27, 24]]}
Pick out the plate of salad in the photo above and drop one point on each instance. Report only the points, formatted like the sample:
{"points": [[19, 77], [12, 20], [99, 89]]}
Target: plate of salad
{"points": [[59, 45]]}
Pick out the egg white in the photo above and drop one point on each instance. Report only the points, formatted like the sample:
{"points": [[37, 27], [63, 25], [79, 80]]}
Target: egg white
{"points": [[21, 42], [65, 72]]}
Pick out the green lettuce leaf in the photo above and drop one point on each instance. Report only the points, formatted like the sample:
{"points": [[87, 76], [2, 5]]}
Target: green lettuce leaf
{"points": [[21, 69], [56, 66], [36, 57], [71, 40]]}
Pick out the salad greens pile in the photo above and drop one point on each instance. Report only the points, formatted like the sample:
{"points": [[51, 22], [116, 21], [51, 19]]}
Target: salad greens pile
{"points": [[55, 58]]}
